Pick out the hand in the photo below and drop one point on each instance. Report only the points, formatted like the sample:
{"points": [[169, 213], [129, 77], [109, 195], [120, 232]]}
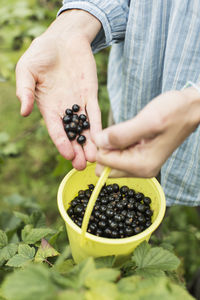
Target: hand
{"points": [[140, 146], [59, 70]]}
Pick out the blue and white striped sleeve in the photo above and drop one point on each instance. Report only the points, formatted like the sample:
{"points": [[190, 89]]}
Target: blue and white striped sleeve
{"points": [[113, 16]]}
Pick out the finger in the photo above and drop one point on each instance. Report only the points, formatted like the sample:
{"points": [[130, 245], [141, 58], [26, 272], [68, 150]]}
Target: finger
{"points": [[25, 89], [114, 173], [58, 135], [130, 160], [125, 134], [94, 116], [79, 161]]}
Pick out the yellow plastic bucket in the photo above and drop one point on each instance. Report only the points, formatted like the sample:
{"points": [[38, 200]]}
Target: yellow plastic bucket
{"points": [[98, 246]]}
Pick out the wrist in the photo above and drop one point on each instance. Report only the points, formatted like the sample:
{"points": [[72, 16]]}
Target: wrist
{"points": [[193, 96], [75, 23]]}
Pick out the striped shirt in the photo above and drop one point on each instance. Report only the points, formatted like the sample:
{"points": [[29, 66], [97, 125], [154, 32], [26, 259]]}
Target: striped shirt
{"points": [[155, 48]]}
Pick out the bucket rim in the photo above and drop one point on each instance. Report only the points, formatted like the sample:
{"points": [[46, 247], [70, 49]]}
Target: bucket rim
{"points": [[144, 234]]}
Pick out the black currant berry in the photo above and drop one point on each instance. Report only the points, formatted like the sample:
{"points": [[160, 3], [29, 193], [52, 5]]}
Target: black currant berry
{"points": [[82, 117], [115, 188], [109, 212], [69, 112], [91, 186], [71, 135], [131, 193], [79, 129], [86, 125], [129, 231], [81, 139], [79, 209], [67, 127], [75, 119], [109, 189], [147, 200], [139, 197], [67, 119], [137, 229], [114, 234], [149, 212], [72, 126], [75, 107], [124, 189]]}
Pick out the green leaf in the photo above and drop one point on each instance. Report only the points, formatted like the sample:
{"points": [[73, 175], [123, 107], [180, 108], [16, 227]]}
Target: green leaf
{"points": [[45, 250], [102, 290], [11, 150], [141, 251], [4, 138], [3, 239], [8, 222], [23, 217], [32, 235], [155, 258], [65, 267], [102, 275], [105, 261], [38, 219], [70, 294], [76, 277], [8, 252], [25, 254], [32, 283], [149, 272]]}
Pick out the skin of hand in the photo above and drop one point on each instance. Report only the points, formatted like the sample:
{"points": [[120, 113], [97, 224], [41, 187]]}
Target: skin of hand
{"points": [[59, 70], [140, 146]]}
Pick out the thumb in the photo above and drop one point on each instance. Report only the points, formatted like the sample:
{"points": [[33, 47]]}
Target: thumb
{"points": [[125, 134], [25, 89]]}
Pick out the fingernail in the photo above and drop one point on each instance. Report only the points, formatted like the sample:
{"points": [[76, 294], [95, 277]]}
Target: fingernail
{"points": [[102, 141]]}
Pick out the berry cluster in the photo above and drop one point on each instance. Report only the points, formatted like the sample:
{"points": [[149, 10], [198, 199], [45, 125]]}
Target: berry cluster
{"points": [[74, 124], [119, 212]]}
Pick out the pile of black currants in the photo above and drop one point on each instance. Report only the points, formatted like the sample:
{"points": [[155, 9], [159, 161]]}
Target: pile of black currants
{"points": [[74, 124], [119, 212]]}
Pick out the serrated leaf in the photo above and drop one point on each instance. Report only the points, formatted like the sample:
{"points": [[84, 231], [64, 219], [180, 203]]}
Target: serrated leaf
{"points": [[8, 252], [32, 235], [156, 258], [141, 251], [32, 283], [149, 272], [45, 250], [3, 239], [23, 217], [26, 251], [25, 254]]}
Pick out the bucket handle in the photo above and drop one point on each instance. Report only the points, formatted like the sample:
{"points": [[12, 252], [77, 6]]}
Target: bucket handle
{"points": [[91, 203]]}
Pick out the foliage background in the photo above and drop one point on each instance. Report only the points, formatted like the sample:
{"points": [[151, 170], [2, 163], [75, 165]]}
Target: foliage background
{"points": [[30, 167]]}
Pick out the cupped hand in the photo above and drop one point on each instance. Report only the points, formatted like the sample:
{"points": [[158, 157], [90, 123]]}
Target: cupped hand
{"points": [[59, 70], [140, 146]]}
